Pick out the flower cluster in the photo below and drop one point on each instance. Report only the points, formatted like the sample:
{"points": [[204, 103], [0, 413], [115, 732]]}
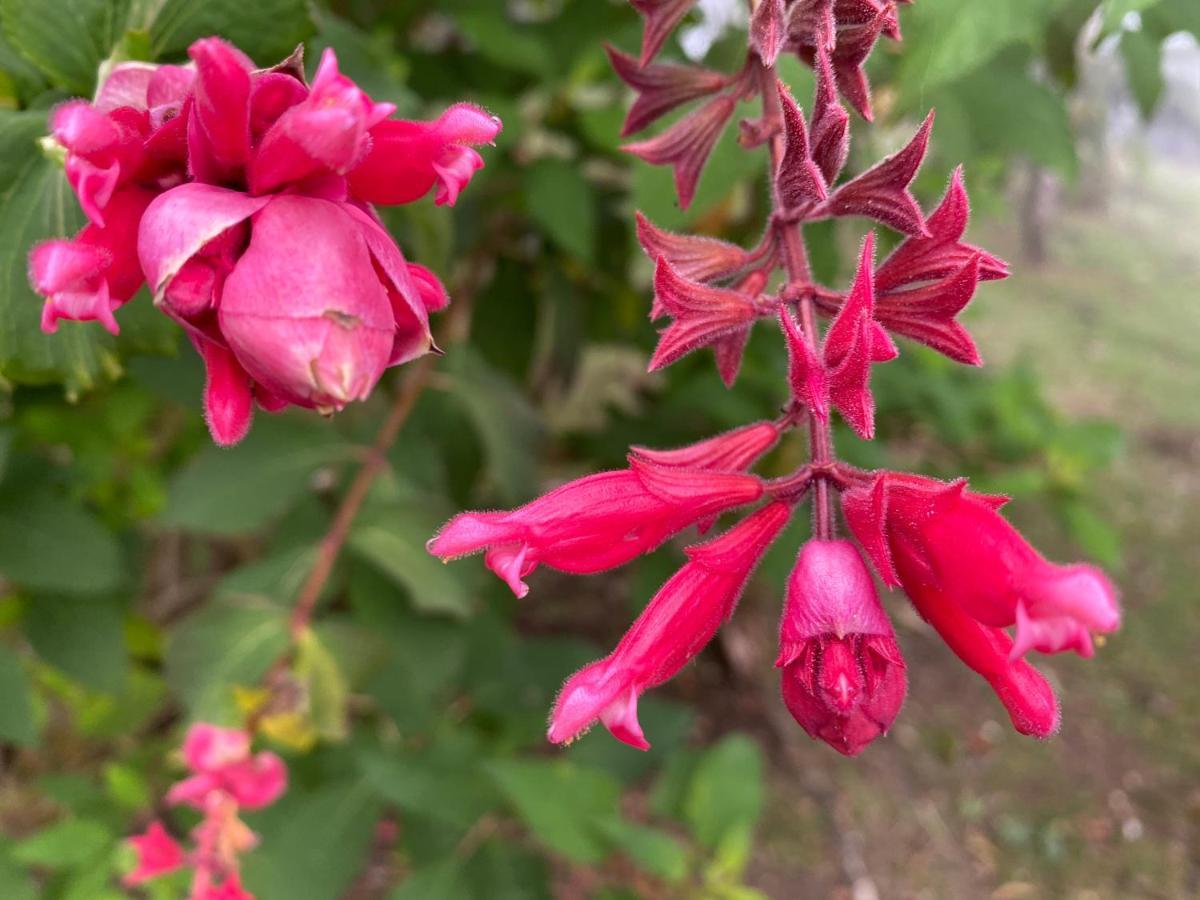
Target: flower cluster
{"points": [[965, 569], [244, 197], [225, 778]]}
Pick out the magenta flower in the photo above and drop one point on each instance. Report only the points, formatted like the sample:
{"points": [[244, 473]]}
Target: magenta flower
{"points": [[221, 762], [595, 523], [243, 196], [676, 625], [157, 854], [843, 675]]}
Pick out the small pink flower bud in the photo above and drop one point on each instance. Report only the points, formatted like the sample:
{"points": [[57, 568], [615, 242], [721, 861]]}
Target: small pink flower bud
{"points": [[701, 314], [829, 132], [687, 144], [882, 193], [843, 676], [675, 626], [799, 180], [219, 126], [733, 451], [157, 854], [661, 87], [768, 26], [595, 523]]}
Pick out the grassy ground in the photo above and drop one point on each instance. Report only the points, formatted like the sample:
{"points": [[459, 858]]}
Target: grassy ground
{"points": [[955, 805]]}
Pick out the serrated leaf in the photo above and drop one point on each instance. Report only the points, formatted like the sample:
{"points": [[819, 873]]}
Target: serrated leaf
{"points": [[16, 700], [50, 544], [266, 30], [241, 489], [726, 790], [65, 39], [564, 805], [392, 539], [225, 644], [560, 200]]}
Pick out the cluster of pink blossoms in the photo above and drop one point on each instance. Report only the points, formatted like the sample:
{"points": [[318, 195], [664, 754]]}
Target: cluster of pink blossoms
{"points": [[225, 779], [966, 570], [243, 196]]}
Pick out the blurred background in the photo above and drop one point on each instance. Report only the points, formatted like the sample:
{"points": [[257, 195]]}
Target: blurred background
{"points": [[146, 576]]}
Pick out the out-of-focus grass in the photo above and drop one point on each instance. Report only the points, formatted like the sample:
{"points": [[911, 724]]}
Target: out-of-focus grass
{"points": [[955, 805]]}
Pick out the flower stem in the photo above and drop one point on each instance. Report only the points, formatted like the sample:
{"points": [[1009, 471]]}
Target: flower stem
{"points": [[799, 283]]}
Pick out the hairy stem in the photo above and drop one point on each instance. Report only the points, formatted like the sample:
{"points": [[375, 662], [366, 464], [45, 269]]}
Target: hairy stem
{"points": [[799, 279]]}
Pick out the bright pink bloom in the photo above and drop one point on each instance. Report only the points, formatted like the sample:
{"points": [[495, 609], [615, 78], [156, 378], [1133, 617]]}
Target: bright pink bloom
{"points": [[595, 523], [676, 625], [881, 193], [221, 763], [687, 144], [843, 675], [157, 854], [661, 87], [408, 158], [950, 547]]}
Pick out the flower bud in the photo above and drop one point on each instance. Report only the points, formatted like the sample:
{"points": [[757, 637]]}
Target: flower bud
{"points": [[843, 676]]}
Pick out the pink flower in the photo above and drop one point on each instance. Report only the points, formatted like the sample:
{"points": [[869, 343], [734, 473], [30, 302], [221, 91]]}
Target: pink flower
{"points": [[798, 180], [677, 623], [595, 523], [221, 763], [243, 196], [157, 854], [972, 574], [843, 675]]}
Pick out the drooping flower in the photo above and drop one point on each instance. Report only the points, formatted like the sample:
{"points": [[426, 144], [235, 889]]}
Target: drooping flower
{"points": [[597, 522], [843, 675], [675, 626], [243, 195]]}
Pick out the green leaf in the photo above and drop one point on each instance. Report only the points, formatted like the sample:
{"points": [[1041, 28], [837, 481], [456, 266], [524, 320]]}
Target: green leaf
{"points": [[560, 200], [66, 39], [313, 843], [82, 637], [443, 783], [498, 39], [227, 643], [15, 884], [50, 544], [1142, 53], [266, 30], [510, 429], [66, 844], [654, 851], [562, 804], [726, 793], [243, 488], [442, 880], [16, 700], [392, 539], [328, 693], [503, 870]]}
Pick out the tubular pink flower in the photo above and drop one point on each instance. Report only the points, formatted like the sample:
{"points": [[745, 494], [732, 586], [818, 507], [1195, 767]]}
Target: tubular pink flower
{"points": [[675, 626], [406, 158], [157, 854], [843, 676], [595, 523]]}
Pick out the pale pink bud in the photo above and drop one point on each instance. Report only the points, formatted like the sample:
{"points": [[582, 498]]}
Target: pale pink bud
{"points": [[686, 145], [882, 193], [157, 854], [595, 523], [675, 626], [406, 158], [843, 676]]}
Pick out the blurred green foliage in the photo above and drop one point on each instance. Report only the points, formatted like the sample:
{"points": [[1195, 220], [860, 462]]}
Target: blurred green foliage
{"points": [[147, 576]]}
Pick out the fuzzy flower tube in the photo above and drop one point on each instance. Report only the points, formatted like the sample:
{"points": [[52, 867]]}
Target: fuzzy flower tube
{"points": [[990, 595], [245, 198]]}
